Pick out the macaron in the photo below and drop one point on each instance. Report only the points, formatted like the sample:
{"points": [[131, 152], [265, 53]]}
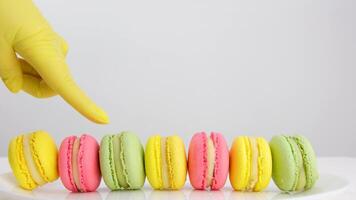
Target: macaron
{"points": [[294, 163], [122, 161], [165, 162], [208, 161], [78, 163], [33, 159], [250, 164]]}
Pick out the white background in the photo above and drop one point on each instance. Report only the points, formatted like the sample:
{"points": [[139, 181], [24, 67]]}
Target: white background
{"points": [[177, 67]]}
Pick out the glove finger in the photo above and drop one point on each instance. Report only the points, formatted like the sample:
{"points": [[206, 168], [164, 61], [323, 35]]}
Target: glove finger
{"points": [[10, 68], [33, 83], [63, 44], [44, 53], [37, 87], [28, 69]]}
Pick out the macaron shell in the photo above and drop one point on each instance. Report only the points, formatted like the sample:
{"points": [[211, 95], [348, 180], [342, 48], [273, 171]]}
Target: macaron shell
{"points": [[153, 162], [107, 165], [197, 161], [65, 163], [221, 168], [264, 164], [88, 163], [133, 160], [240, 163], [44, 153], [285, 168], [309, 161], [178, 161], [18, 164]]}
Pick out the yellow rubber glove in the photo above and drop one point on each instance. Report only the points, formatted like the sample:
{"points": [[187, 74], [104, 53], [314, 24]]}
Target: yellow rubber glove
{"points": [[42, 71]]}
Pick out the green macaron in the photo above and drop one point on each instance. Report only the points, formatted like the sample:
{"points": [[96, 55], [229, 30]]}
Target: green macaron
{"points": [[294, 163], [122, 161]]}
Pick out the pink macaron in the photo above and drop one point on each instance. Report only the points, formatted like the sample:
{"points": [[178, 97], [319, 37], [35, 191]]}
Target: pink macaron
{"points": [[208, 161], [78, 163]]}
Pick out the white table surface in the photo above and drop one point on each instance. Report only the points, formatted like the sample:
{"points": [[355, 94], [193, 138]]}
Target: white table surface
{"points": [[342, 167]]}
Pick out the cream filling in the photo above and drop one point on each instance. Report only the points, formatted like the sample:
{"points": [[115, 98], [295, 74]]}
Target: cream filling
{"points": [[75, 169], [301, 180], [165, 174], [210, 161], [31, 165], [119, 168], [254, 164]]}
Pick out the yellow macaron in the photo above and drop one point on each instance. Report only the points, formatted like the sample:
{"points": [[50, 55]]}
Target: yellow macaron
{"points": [[250, 164], [165, 162], [33, 159]]}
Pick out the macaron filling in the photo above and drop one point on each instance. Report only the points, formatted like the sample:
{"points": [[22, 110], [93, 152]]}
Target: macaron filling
{"points": [[300, 180], [254, 164], [308, 155], [119, 162], [75, 168], [210, 162], [164, 164], [263, 165], [35, 174]]}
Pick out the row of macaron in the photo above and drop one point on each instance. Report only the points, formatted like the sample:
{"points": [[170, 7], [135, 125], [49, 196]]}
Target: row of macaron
{"points": [[124, 164]]}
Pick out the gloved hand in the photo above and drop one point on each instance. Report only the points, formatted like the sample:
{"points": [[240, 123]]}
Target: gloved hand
{"points": [[42, 71]]}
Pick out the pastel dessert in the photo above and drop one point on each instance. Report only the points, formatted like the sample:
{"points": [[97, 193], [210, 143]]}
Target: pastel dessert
{"points": [[165, 162], [294, 163], [250, 164], [122, 161], [33, 159], [78, 163], [208, 161]]}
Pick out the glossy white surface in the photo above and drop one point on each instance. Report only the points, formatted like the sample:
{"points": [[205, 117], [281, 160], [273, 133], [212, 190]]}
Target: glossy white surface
{"points": [[337, 181]]}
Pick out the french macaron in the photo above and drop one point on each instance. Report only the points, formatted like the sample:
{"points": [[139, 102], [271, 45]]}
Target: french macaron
{"points": [[208, 161], [122, 161], [250, 164], [78, 163], [33, 159], [294, 163], [165, 162]]}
